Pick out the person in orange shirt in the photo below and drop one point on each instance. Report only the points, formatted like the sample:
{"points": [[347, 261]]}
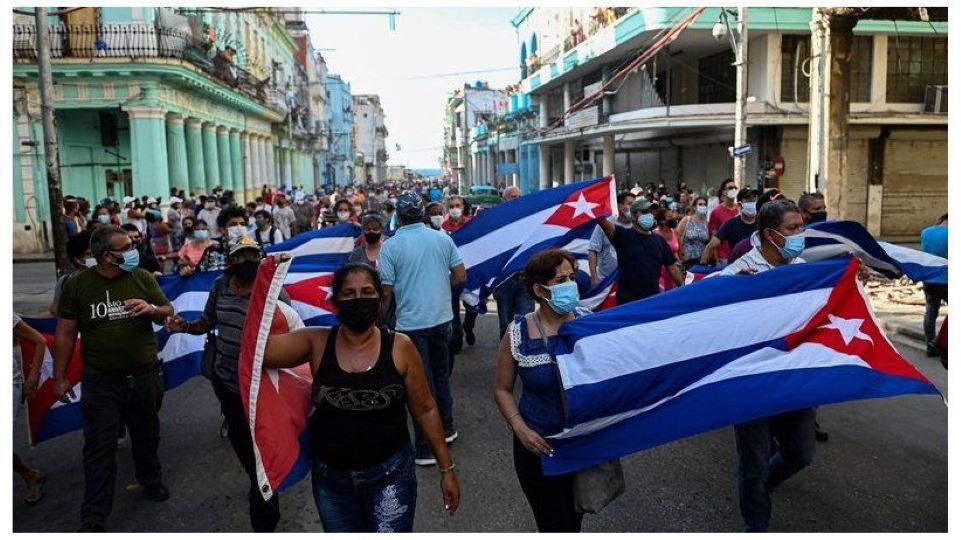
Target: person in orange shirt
{"points": [[456, 214]]}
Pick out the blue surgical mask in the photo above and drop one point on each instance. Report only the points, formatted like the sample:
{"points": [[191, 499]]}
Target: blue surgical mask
{"points": [[749, 209], [564, 297], [793, 245], [201, 234], [104, 218], [702, 211], [646, 221], [131, 259]]}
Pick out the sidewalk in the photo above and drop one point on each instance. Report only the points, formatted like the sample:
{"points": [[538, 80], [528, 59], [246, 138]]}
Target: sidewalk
{"points": [[19, 258]]}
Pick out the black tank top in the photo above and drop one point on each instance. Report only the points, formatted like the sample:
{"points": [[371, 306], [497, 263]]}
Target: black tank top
{"points": [[359, 419]]}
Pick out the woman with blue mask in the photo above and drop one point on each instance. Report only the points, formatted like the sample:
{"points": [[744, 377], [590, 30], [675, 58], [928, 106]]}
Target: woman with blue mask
{"points": [[549, 277]]}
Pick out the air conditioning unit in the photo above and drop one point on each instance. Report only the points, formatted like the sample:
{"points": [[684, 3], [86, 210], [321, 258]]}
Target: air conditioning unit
{"points": [[936, 99]]}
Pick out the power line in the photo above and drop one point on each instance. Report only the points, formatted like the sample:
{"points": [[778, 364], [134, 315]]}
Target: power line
{"points": [[454, 74]]}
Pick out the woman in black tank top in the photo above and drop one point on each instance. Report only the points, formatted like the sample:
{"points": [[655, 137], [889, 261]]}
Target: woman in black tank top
{"points": [[366, 379]]}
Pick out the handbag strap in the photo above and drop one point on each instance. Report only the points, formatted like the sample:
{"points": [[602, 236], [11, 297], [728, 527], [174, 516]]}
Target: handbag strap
{"points": [[557, 368]]}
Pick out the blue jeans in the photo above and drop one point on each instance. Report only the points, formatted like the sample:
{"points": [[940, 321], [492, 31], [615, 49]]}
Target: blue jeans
{"points": [[759, 472], [379, 499], [512, 299], [433, 345]]}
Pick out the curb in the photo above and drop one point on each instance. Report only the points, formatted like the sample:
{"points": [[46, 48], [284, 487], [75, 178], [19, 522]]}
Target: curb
{"points": [[37, 260]]}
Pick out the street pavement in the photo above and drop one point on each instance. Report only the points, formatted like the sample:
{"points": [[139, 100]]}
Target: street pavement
{"points": [[884, 468]]}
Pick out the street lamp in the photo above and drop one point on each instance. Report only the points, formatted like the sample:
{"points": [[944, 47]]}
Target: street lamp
{"points": [[722, 28]]}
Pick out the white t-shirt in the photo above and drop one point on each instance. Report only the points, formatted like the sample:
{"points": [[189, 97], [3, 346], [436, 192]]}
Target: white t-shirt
{"points": [[752, 261]]}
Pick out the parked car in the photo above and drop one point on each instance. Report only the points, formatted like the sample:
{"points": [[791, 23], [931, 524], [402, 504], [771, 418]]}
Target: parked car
{"points": [[482, 196]]}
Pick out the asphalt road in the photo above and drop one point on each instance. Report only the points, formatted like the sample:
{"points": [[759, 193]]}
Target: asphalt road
{"points": [[885, 467]]}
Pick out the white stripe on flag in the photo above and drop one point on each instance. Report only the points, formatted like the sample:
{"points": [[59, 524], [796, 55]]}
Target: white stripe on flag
{"points": [[322, 246], [180, 345], [693, 334], [190, 301], [848, 246], [766, 360], [903, 254], [502, 239], [308, 311]]}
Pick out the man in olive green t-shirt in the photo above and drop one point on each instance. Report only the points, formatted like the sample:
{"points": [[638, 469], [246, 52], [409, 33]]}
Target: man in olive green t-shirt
{"points": [[112, 305]]}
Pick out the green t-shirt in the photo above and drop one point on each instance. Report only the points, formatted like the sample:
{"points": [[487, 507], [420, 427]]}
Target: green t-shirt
{"points": [[113, 341]]}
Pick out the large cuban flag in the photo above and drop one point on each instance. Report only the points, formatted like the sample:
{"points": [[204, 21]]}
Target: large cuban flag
{"points": [[499, 241], [796, 336]]}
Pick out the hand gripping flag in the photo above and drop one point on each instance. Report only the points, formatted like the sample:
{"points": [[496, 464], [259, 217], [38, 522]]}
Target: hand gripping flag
{"points": [[277, 400], [633, 377], [499, 241]]}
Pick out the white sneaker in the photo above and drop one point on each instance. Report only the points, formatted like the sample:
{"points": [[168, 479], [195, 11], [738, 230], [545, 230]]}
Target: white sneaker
{"points": [[451, 438], [425, 462]]}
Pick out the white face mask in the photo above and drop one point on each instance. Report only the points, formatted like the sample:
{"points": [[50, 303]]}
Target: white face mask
{"points": [[90, 262], [731, 193], [749, 209], [456, 213], [236, 231], [343, 216], [436, 221], [210, 206]]}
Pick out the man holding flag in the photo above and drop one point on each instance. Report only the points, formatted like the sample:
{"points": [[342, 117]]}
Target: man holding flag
{"points": [[113, 305]]}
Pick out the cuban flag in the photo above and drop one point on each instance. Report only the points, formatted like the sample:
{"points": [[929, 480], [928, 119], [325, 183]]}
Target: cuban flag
{"points": [[797, 336], [499, 241], [832, 238], [278, 401], [47, 417]]}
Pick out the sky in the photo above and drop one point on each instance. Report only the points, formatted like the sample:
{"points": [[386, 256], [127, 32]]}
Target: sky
{"points": [[410, 67]]}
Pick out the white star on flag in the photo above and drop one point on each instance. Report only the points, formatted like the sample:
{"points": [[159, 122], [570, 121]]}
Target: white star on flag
{"points": [[849, 329], [583, 206]]}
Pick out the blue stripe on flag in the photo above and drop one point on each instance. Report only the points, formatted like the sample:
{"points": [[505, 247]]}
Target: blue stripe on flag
{"points": [[347, 229], [59, 420]]}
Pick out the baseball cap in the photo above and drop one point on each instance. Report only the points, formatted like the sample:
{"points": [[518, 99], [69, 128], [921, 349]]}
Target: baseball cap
{"points": [[175, 200], [151, 200], [128, 199], [641, 204], [244, 242], [410, 205]]}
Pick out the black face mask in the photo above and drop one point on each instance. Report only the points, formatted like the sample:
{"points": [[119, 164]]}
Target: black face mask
{"points": [[245, 271], [672, 223], [372, 237], [817, 217], [359, 314]]}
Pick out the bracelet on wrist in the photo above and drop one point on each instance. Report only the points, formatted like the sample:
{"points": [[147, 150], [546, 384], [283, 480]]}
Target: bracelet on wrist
{"points": [[444, 470], [510, 424]]}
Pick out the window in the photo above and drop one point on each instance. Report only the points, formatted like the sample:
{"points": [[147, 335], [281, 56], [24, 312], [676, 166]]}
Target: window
{"points": [[795, 53], [913, 63], [717, 80], [862, 56]]}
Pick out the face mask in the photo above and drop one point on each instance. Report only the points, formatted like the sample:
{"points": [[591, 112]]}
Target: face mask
{"points": [[749, 209], [393, 200], [260, 222], [131, 259], [564, 297], [731, 193], [201, 234], [343, 216], [436, 221], [646, 221], [90, 262], [818, 217], [372, 237], [702, 210], [358, 314], [668, 200], [104, 218], [210, 206], [793, 245], [236, 231], [456, 213], [245, 271]]}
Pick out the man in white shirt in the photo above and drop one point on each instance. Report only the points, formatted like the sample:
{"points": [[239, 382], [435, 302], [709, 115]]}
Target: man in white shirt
{"points": [[209, 215]]}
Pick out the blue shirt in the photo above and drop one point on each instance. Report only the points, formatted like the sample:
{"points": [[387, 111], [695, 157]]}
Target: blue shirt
{"points": [[934, 240], [416, 262], [540, 404]]}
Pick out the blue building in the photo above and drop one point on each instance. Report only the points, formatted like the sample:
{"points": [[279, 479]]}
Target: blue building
{"points": [[340, 117]]}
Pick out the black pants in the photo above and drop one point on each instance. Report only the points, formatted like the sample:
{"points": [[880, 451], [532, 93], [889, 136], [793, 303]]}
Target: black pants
{"points": [[264, 515], [108, 402], [934, 294], [551, 497]]}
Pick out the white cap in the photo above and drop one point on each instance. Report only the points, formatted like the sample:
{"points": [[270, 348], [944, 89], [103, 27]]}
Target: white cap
{"points": [[128, 199], [175, 200], [151, 200]]}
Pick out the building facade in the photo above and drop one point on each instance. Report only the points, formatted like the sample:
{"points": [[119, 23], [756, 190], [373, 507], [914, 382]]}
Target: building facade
{"points": [[153, 99], [672, 119], [370, 133], [340, 117]]}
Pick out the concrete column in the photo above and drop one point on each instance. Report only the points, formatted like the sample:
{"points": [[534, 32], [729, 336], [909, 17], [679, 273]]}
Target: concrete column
{"points": [[195, 156], [148, 151], [237, 164], [288, 168], [271, 164], [568, 161], [248, 159], [223, 155], [211, 157], [544, 118], [544, 169], [567, 95], [262, 155], [296, 172], [176, 152], [608, 165]]}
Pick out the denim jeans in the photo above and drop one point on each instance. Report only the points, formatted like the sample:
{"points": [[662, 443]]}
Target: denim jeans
{"points": [[512, 299], [759, 472], [433, 345], [934, 293], [106, 403], [379, 499]]}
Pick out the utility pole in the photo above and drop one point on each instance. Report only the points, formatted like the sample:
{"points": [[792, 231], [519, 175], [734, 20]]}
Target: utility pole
{"points": [[740, 108], [468, 175], [51, 156]]}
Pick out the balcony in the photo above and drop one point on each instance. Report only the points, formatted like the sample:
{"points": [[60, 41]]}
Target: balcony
{"points": [[586, 117]]}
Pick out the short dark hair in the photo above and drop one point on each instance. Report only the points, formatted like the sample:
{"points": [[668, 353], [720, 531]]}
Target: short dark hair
{"points": [[263, 213], [542, 267], [337, 284], [350, 207], [746, 193], [943, 218], [100, 239], [769, 196], [771, 215], [622, 196], [807, 199], [130, 227], [230, 212], [77, 244], [724, 183]]}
